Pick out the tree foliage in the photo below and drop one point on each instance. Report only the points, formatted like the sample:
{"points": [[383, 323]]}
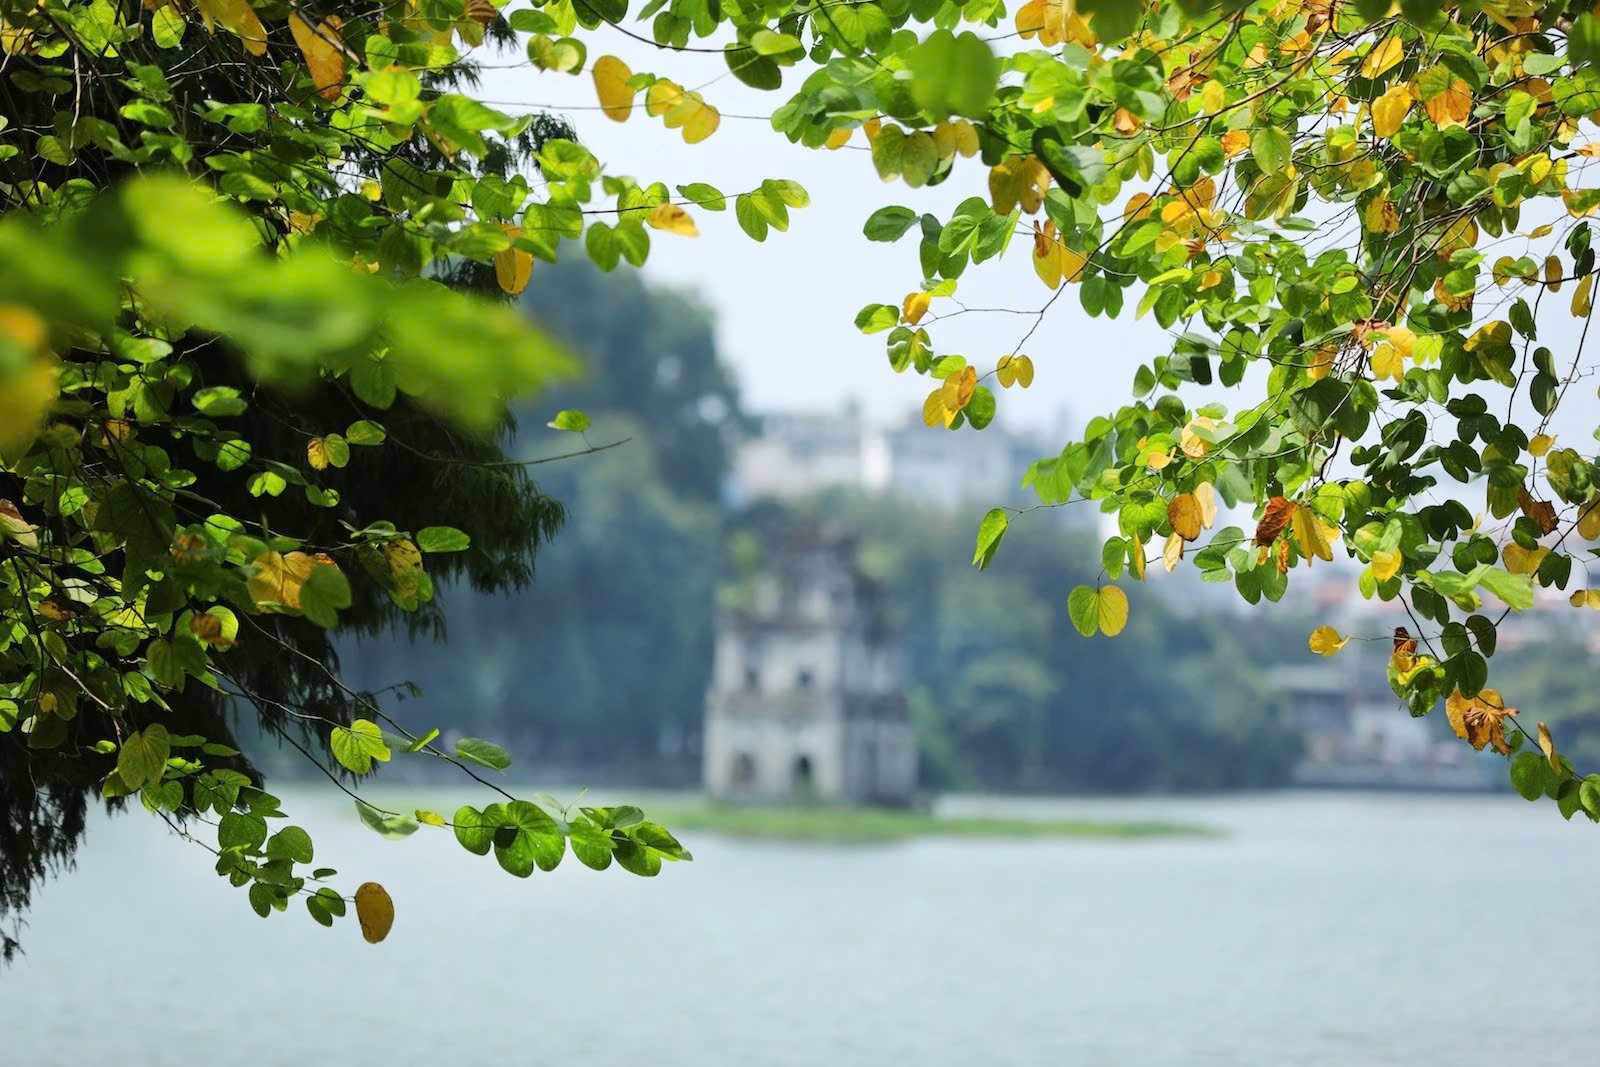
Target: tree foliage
{"points": [[1360, 215]]}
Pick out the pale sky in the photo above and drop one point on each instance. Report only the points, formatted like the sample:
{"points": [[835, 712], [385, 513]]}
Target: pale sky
{"points": [[785, 308]]}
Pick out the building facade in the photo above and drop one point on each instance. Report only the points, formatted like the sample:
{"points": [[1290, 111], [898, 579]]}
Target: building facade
{"points": [[806, 700]]}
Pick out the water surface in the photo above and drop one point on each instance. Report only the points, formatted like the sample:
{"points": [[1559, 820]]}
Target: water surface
{"points": [[1324, 929]]}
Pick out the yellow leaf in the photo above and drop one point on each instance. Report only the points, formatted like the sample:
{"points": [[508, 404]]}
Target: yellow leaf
{"points": [[837, 139], [966, 138], [1193, 445], [1014, 370], [1479, 720], [1024, 369], [278, 579], [611, 85], [239, 19], [1586, 598], [1577, 208], [1046, 263], [696, 118], [13, 527], [1385, 564], [914, 307], [1452, 107], [1583, 296], [1321, 364], [1547, 745], [1234, 141], [321, 47], [1552, 274], [1184, 515], [1325, 641], [1113, 603], [1018, 180], [1384, 55], [317, 454], [934, 412], [1519, 560], [1172, 552], [430, 818], [1205, 495], [1589, 520], [207, 628], [1389, 111], [957, 389], [1540, 444], [1381, 216], [673, 219], [1310, 535], [1387, 363], [513, 266], [1136, 559], [27, 394], [375, 911], [663, 95]]}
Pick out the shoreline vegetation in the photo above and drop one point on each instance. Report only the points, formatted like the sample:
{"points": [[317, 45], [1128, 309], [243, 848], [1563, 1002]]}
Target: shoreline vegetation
{"points": [[683, 813], [823, 823]]}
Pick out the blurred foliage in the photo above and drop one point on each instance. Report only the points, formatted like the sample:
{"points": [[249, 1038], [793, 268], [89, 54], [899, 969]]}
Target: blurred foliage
{"points": [[1006, 695]]}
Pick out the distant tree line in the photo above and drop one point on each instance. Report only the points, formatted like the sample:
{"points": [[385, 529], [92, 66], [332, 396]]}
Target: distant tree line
{"points": [[606, 658]]}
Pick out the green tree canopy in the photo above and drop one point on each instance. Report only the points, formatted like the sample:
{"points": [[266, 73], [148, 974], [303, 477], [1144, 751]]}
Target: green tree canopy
{"points": [[1357, 214]]}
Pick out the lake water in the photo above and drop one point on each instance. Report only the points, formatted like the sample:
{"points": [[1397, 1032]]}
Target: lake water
{"points": [[1324, 929]]}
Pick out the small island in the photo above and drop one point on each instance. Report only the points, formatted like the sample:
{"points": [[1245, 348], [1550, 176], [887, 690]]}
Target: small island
{"points": [[830, 823]]}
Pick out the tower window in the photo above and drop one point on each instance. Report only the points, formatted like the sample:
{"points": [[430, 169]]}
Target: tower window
{"points": [[803, 679]]}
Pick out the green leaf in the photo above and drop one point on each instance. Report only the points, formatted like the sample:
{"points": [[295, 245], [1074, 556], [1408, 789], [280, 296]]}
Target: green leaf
{"points": [[591, 845], [365, 433], [442, 539], [1270, 147], [475, 833], [1083, 608], [706, 196], [571, 421], [1528, 771], [1516, 590], [484, 753], [750, 217], [528, 838], [889, 223], [876, 317], [143, 757], [325, 593], [219, 401], [242, 830], [290, 843], [385, 824], [991, 531], [357, 746], [953, 75], [325, 905]]}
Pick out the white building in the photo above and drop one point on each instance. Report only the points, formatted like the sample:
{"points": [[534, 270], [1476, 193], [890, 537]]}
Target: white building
{"points": [[796, 455], [806, 691]]}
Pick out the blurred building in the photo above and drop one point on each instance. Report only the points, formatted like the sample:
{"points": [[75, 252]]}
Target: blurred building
{"points": [[1358, 734], [796, 455], [806, 690]]}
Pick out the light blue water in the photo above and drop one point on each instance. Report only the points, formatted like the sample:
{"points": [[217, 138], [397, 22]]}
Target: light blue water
{"points": [[1326, 929]]}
